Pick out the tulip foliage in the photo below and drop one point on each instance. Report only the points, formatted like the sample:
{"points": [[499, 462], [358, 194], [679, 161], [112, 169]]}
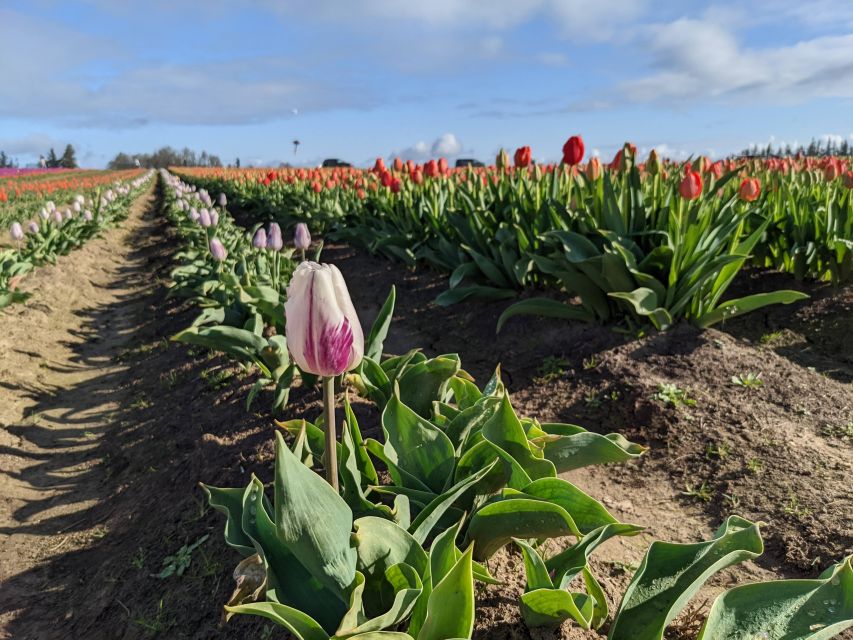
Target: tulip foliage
{"points": [[640, 243], [396, 554]]}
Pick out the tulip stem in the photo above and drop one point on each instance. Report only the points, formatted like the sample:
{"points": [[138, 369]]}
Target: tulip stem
{"points": [[331, 436]]}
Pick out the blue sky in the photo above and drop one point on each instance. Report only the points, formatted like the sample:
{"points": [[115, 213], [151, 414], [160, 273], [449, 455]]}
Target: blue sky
{"points": [[356, 80]]}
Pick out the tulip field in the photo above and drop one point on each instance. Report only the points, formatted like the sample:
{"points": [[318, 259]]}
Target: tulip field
{"points": [[413, 402]]}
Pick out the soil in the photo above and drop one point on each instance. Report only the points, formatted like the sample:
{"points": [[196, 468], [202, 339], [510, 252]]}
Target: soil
{"points": [[108, 427]]}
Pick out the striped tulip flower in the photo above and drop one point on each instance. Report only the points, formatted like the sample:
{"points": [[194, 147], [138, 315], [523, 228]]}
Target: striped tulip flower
{"points": [[324, 336], [274, 239]]}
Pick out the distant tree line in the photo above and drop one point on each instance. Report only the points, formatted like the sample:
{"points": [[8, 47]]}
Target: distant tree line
{"points": [[165, 157], [827, 147], [68, 159]]}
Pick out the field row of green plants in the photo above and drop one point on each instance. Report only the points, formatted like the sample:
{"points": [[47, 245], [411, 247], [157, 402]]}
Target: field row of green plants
{"points": [[390, 543], [635, 242], [55, 231]]}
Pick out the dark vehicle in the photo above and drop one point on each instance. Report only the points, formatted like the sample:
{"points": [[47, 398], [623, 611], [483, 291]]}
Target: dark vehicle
{"points": [[468, 162], [334, 162]]}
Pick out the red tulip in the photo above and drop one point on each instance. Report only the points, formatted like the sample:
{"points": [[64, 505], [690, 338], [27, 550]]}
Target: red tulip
{"points": [[522, 157], [831, 172], [398, 164], [396, 183], [847, 179], [691, 186], [750, 189], [573, 150], [431, 169], [379, 165], [442, 166]]}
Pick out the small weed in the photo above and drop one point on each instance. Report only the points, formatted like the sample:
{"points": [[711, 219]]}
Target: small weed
{"points": [[794, 508], [88, 434], [551, 369], [755, 466], [624, 567], [141, 402], [733, 499], [592, 400], [721, 451], [178, 563], [748, 380], [99, 532], [800, 410], [216, 379], [843, 432], [672, 395], [590, 363], [169, 379], [703, 492], [771, 336], [156, 624], [138, 558], [266, 632], [136, 353], [614, 395]]}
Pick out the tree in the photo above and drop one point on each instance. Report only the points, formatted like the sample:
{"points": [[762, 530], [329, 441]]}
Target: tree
{"points": [[237, 163], [5, 161], [52, 160], [68, 160]]}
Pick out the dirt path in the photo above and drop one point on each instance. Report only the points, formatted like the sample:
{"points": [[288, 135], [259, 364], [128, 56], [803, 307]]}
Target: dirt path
{"points": [[61, 388]]}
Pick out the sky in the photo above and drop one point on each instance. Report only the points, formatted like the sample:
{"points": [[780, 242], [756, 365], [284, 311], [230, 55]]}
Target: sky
{"points": [[357, 79]]}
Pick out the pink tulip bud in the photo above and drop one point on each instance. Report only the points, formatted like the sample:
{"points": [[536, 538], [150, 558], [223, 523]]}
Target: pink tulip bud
{"points": [[214, 218], [204, 218], [16, 232], [259, 240], [324, 336], [87, 215], [32, 227], [57, 216], [217, 250], [222, 200], [274, 239], [302, 237]]}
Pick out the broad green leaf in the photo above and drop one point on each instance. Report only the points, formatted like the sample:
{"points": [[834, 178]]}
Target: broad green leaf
{"points": [[407, 587], [545, 307], [586, 512], [584, 448], [785, 609], [671, 573], [552, 607], [497, 523], [454, 296], [230, 502], [450, 611], [645, 302], [425, 382], [416, 445], [321, 544], [570, 562], [302, 626], [733, 308], [504, 429]]}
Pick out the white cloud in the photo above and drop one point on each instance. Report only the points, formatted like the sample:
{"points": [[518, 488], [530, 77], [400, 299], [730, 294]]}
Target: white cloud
{"points": [[702, 59], [31, 145], [446, 145], [553, 58]]}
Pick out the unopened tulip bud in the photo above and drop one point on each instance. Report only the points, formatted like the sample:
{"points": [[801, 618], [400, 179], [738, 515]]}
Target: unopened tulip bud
{"points": [[593, 169], [573, 151], [222, 200], [502, 159], [32, 227], [749, 190], [87, 215], [214, 217], [204, 218], [653, 163], [57, 216], [324, 335], [691, 185], [259, 240], [217, 250], [16, 232], [274, 240], [302, 237]]}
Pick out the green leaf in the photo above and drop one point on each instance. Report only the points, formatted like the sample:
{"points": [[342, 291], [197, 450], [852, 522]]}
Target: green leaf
{"points": [[534, 567], [586, 512], [425, 382], [322, 545], [671, 573], [544, 307], [552, 607], [733, 308], [450, 611], [504, 429], [497, 523], [302, 626], [454, 296], [379, 331], [407, 587], [785, 609], [645, 303], [416, 445], [576, 447], [230, 502]]}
